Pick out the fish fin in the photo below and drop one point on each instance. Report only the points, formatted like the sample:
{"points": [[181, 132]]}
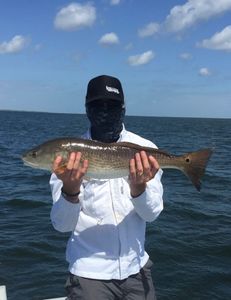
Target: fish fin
{"points": [[137, 147], [195, 164], [128, 144], [60, 169]]}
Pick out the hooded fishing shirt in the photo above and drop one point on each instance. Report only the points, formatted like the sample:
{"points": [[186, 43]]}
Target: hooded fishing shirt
{"points": [[107, 225]]}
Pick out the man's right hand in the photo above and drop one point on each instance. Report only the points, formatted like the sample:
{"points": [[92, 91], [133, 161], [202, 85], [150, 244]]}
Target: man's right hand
{"points": [[73, 174]]}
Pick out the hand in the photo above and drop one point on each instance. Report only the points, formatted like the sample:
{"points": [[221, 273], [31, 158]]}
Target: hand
{"points": [[72, 175], [142, 169]]}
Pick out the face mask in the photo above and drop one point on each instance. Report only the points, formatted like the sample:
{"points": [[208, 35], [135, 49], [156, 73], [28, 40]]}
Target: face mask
{"points": [[106, 118]]}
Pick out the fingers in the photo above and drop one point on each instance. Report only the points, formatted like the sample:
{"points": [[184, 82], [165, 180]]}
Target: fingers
{"points": [[132, 169], [84, 167], [154, 165], [145, 163], [75, 166], [73, 169], [143, 167], [139, 163], [79, 167], [137, 180], [136, 169], [73, 163], [56, 163]]}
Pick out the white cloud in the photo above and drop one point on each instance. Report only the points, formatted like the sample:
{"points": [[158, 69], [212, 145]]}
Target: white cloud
{"points": [[204, 72], [219, 41], [75, 16], [149, 30], [141, 59], [183, 16], [115, 2], [109, 39], [16, 44], [186, 56]]}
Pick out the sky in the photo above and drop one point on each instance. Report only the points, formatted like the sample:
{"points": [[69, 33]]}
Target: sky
{"points": [[173, 57]]}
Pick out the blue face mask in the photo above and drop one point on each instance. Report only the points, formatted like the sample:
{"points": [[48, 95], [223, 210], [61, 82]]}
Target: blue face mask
{"points": [[106, 118]]}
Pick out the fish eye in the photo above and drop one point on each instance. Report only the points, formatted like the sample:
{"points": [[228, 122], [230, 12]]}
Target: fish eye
{"points": [[34, 154], [187, 160]]}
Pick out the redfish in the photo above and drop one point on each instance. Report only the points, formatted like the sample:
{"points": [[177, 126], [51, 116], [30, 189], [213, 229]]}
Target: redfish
{"points": [[111, 160]]}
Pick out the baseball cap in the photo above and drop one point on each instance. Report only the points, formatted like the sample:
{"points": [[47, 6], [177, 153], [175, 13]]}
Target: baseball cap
{"points": [[104, 87]]}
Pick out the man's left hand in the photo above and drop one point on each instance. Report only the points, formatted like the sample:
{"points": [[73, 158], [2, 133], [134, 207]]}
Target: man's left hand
{"points": [[142, 169]]}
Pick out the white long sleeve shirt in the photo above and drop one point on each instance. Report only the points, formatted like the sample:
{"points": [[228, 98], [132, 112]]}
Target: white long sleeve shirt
{"points": [[107, 225]]}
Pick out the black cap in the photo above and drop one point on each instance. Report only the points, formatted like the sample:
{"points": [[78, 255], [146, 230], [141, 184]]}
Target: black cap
{"points": [[104, 87]]}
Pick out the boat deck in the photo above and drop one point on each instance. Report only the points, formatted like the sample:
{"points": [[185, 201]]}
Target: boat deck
{"points": [[3, 295]]}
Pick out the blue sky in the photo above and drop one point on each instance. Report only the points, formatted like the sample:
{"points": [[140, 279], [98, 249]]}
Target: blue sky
{"points": [[172, 57]]}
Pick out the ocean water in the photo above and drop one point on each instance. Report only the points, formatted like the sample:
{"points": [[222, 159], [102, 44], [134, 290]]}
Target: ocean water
{"points": [[190, 242]]}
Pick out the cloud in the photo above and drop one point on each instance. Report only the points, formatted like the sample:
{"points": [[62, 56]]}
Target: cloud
{"points": [[219, 41], [109, 39], [141, 59], [186, 56], [16, 44], [115, 2], [75, 16], [204, 72], [149, 30], [184, 16]]}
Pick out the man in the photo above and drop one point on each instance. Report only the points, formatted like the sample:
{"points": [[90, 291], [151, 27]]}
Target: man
{"points": [[107, 218]]}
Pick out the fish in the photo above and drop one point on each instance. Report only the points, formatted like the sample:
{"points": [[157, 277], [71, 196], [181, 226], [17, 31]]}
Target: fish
{"points": [[111, 160]]}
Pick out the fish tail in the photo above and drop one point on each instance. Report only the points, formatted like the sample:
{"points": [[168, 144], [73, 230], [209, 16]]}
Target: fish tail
{"points": [[195, 164]]}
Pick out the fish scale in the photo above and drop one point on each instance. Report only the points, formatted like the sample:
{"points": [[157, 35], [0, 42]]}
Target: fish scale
{"points": [[111, 160]]}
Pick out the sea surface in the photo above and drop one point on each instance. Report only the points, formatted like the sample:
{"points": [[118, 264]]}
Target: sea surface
{"points": [[190, 242]]}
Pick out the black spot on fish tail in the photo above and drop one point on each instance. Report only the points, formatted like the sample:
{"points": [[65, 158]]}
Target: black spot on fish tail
{"points": [[195, 165]]}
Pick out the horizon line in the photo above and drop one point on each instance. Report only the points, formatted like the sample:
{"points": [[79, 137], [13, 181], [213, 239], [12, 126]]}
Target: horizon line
{"points": [[145, 116]]}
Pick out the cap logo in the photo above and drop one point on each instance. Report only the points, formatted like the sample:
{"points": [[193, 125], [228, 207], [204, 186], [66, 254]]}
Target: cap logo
{"points": [[112, 89]]}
